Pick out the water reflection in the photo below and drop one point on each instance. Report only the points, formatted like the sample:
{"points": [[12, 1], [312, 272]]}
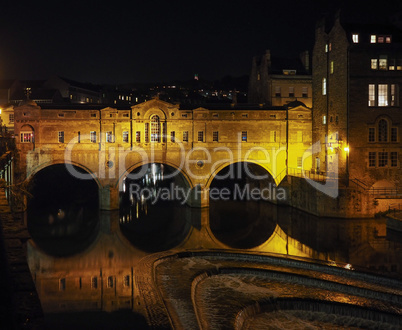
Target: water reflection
{"points": [[102, 277], [242, 225]]}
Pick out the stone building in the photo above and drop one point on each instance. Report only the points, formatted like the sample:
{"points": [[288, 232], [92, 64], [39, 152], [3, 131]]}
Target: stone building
{"points": [[198, 142], [278, 81], [356, 102]]}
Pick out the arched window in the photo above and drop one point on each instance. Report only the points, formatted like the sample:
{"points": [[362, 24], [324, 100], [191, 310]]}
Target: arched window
{"points": [[27, 134], [382, 131], [155, 129]]}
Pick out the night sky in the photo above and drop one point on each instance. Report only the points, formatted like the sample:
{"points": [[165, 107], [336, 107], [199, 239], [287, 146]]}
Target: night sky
{"points": [[148, 41]]}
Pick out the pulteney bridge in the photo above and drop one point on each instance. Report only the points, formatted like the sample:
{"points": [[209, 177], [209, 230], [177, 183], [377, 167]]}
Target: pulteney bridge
{"points": [[109, 143]]}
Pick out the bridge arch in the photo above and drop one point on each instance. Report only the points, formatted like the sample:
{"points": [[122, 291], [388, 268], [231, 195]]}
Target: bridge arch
{"points": [[177, 171], [225, 165], [44, 165]]}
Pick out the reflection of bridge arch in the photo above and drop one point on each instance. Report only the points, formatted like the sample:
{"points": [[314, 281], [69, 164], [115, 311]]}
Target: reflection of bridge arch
{"points": [[45, 165], [225, 165]]}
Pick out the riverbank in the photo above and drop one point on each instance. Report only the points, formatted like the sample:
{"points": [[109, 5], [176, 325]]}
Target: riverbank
{"points": [[20, 307]]}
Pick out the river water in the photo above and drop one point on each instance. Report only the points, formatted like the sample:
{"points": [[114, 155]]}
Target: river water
{"points": [[83, 259]]}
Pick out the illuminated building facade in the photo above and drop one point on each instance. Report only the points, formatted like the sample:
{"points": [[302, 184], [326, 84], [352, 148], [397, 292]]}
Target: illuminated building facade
{"points": [[356, 102]]}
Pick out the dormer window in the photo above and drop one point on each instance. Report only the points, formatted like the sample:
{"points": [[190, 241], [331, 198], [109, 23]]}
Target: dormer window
{"points": [[355, 38]]}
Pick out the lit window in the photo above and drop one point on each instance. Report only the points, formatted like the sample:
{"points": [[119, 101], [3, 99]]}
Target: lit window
{"points": [[393, 98], [394, 134], [164, 132], [382, 131], [299, 161], [394, 158], [172, 136], [382, 159], [374, 64], [399, 64], [332, 67], [138, 136], [372, 159], [109, 137], [391, 65], [244, 136], [125, 136], [329, 47], [382, 62], [355, 38], [382, 95], [371, 136], [11, 118], [326, 48], [200, 136], [215, 136], [26, 137], [304, 91], [380, 39], [371, 100], [291, 91], [61, 137], [373, 39], [277, 91], [93, 136], [155, 129], [185, 136], [324, 86], [324, 120], [146, 133], [388, 39]]}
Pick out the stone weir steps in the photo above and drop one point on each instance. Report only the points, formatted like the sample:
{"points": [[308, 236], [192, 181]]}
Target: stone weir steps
{"points": [[20, 307]]}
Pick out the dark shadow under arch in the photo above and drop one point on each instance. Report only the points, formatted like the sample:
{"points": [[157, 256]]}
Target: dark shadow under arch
{"points": [[153, 212], [62, 214], [238, 217]]}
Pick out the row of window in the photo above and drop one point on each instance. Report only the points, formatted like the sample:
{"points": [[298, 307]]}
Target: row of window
{"points": [[384, 134], [374, 38], [382, 95], [379, 95], [27, 137], [383, 159], [382, 63], [94, 282], [291, 91]]}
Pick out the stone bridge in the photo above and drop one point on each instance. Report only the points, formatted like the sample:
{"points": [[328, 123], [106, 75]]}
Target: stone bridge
{"points": [[109, 143]]}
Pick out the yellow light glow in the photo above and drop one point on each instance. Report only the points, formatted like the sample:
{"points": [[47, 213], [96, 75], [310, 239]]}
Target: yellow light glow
{"points": [[346, 149]]}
